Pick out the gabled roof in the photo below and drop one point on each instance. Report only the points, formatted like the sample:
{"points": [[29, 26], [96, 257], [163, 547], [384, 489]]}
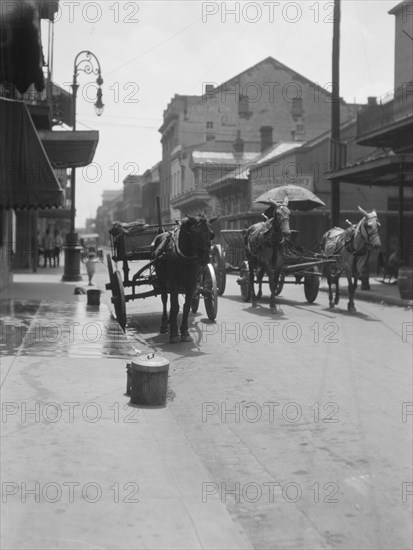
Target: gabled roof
{"points": [[277, 65]]}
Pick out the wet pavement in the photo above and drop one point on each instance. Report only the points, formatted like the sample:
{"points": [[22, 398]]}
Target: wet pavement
{"points": [[60, 330], [81, 467]]}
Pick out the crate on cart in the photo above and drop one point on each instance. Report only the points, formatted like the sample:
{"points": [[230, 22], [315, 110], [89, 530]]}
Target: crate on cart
{"points": [[233, 246], [132, 241]]}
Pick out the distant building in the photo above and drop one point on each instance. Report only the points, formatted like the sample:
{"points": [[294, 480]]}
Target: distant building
{"points": [[150, 194], [105, 214], [266, 104]]}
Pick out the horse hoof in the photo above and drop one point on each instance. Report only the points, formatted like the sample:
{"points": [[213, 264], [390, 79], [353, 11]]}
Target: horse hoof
{"points": [[163, 330], [331, 305], [336, 301], [254, 304], [351, 309], [186, 338], [274, 311], [174, 339]]}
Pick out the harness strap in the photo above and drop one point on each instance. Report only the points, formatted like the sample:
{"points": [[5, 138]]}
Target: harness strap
{"points": [[178, 251]]}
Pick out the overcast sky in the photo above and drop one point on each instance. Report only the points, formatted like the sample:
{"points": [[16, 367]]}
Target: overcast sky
{"points": [[150, 51]]}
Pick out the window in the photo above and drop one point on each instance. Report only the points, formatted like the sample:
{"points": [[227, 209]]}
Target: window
{"points": [[209, 124], [266, 137], [210, 137], [243, 107], [297, 108]]}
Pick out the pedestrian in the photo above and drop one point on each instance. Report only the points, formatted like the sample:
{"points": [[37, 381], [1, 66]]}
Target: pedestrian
{"points": [[40, 249], [48, 248], [58, 244]]}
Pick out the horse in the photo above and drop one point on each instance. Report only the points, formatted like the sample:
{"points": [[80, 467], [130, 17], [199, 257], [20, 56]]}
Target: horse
{"points": [[263, 245], [179, 257], [352, 246]]}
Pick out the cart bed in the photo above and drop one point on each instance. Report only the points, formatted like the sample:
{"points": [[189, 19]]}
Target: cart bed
{"points": [[133, 241]]}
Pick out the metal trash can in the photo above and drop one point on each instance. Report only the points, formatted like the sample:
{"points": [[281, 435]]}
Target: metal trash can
{"points": [[148, 380], [93, 297]]}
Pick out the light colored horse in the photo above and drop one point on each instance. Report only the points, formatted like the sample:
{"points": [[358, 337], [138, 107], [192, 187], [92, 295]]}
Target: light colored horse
{"points": [[352, 247], [263, 244]]}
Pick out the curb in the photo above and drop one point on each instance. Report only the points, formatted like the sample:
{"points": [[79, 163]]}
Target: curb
{"points": [[371, 296]]}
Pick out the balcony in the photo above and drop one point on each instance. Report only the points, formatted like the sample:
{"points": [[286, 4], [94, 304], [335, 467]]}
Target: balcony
{"points": [[48, 108], [388, 123]]}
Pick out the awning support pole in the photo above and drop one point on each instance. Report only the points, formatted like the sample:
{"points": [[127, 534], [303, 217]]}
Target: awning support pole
{"points": [[401, 198]]}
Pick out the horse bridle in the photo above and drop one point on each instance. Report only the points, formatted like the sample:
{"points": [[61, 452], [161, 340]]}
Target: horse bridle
{"points": [[367, 237], [282, 214]]}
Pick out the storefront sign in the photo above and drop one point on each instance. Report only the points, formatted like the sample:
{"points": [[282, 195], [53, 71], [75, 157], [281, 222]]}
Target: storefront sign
{"points": [[262, 185]]}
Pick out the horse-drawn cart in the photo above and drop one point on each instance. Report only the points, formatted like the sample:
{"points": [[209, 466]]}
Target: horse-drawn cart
{"points": [[134, 242], [300, 266]]}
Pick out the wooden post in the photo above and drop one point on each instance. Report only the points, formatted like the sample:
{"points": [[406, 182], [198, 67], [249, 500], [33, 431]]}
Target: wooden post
{"points": [[335, 116], [158, 206]]}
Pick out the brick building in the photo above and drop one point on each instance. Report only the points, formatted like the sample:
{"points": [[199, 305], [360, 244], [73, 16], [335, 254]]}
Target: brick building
{"points": [[266, 104]]}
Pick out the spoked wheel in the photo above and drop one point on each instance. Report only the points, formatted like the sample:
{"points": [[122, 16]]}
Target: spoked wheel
{"points": [[118, 299], [218, 261], [210, 292], [244, 283], [110, 268], [280, 284], [311, 286]]}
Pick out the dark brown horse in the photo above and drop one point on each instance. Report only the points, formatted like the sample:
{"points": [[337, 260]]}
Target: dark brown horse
{"points": [[263, 244], [180, 255], [352, 247]]}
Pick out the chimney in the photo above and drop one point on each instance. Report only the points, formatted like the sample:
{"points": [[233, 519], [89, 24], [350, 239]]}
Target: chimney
{"points": [[266, 137], [239, 144]]}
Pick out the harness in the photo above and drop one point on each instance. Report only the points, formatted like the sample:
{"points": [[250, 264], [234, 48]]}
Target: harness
{"points": [[169, 246]]}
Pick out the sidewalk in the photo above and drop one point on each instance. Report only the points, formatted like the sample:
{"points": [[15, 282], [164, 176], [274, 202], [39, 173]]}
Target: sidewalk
{"points": [[379, 292], [81, 468]]}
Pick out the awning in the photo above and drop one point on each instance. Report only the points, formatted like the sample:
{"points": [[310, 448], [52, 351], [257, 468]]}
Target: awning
{"points": [[26, 176], [68, 149], [387, 170]]}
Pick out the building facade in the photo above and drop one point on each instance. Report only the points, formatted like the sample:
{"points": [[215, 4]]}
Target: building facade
{"points": [[266, 104]]}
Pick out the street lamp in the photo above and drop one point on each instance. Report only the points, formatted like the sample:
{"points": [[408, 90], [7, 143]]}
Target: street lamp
{"points": [[88, 63]]}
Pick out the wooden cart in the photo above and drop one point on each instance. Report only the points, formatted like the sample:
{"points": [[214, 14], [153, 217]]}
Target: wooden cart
{"points": [[136, 245], [303, 267]]}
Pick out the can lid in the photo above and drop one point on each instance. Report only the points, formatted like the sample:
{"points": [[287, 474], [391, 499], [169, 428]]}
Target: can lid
{"points": [[150, 362]]}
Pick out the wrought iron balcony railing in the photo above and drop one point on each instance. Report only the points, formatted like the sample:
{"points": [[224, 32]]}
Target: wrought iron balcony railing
{"points": [[383, 113], [59, 100]]}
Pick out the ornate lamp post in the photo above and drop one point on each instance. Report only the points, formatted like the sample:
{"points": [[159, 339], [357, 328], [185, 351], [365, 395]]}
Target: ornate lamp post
{"points": [[88, 63]]}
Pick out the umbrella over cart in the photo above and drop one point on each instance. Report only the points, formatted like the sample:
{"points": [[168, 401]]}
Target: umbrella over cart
{"points": [[299, 198]]}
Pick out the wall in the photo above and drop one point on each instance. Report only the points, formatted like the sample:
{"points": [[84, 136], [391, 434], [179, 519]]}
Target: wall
{"points": [[264, 95], [403, 62]]}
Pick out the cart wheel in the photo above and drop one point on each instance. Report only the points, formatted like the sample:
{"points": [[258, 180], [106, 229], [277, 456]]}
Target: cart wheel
{"points": [[210, 292], [195, 303], [110, 268], [311, 286], [118, 299], [218, 261], [244, 283], [280, 284]]}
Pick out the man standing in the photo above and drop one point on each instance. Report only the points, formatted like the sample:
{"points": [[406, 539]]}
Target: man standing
{"points": [[48, 248], [58, 244]]}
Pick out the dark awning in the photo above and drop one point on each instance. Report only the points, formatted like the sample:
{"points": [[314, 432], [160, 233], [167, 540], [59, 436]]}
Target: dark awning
{"points": [[26, 176], [387, 170], [68, 149]]}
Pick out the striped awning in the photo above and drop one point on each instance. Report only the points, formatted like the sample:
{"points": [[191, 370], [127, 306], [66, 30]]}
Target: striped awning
{"points": [[27, 179]]}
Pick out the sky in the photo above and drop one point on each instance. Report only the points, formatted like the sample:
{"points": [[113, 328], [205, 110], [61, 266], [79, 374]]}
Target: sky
{"points": [[151, 50]]}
